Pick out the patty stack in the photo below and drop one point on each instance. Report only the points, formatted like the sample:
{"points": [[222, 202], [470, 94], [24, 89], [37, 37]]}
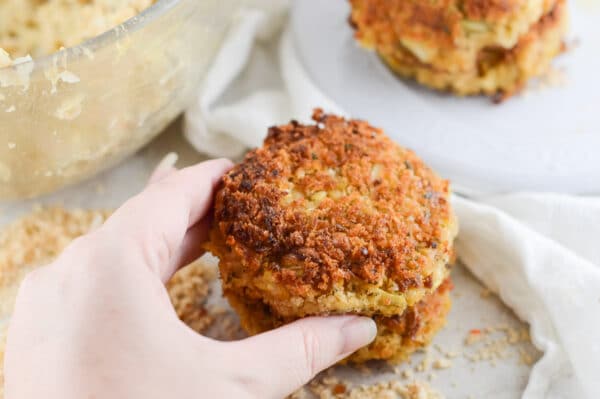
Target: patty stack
{"points": [[468, 47], [335, 218]]}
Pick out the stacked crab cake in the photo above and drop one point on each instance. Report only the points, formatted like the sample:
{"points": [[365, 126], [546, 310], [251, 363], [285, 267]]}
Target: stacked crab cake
{"points": [[468, 47], [335, 218]]}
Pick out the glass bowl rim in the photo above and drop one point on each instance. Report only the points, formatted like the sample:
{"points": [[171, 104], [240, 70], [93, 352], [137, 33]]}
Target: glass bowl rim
{"points": [[147, 16]]}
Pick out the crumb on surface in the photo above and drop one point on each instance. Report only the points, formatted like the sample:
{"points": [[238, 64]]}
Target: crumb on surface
{"points": [[425, 363], [330, 389], [189, 290], [408, 374], [442, 363], [495, 343], [475, 335]]}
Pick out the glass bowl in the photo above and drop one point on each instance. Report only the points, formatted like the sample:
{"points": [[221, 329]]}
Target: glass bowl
{"points": [[69, 115]]}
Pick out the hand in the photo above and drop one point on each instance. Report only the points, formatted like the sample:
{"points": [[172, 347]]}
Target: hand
{"points": [[98, 323]]}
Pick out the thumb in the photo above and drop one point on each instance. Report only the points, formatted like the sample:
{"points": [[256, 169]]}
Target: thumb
{"points": [[278, 362]]}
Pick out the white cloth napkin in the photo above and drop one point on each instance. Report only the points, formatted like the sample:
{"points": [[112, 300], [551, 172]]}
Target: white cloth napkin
{"points": [[539, 252]]}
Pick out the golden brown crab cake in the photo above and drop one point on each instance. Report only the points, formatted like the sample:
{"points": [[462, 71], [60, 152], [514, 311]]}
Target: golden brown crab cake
{"points": [[499, 72], [397, 336], [468, 47], [332, 218]]}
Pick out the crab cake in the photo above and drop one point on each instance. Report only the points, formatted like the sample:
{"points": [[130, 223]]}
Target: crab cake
{"points": [[397, 336], [469, 47], [331, 218]]}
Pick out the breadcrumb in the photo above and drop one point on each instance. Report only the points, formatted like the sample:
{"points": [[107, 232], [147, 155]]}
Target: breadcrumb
{"points": [[494, 343], [189, 290], [442, 363], [333, 388]]}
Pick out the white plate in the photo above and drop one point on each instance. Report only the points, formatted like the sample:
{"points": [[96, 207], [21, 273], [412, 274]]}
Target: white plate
{"points": [[546, 140]]}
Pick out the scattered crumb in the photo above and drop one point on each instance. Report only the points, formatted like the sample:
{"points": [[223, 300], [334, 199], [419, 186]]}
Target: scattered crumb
{"points": [[450, 354], [485, 292], [425, 363], [475, 335], [189, 290], [408, 374], [494, 343], [442, 363], [334, 388], [339, 389]]}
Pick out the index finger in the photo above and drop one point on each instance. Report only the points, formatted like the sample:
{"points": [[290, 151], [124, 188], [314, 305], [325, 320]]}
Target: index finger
{"points": [[154, 222]]}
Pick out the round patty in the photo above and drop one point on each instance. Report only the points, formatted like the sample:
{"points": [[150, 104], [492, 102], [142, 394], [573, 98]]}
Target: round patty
{"points": [[397, 336], [468, 47], [332, 218]]}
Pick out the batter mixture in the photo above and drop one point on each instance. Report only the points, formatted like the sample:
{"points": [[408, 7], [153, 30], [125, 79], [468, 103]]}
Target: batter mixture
{"points": [[37, 28]]}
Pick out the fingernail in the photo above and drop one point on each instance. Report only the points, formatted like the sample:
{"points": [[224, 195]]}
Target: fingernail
{"points": [[164, 167], [358, 332], [168, 161]]}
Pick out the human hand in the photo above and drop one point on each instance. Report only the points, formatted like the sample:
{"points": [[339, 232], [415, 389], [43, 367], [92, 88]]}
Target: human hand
{"points": [[98, 323]]}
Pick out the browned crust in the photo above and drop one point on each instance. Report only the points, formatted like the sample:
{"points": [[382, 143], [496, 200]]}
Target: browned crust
{"points": [[383, 228], [530, 57], [435, 22], [410, 323], [487, 9], [397, 337], [457, 60], [439, 22], [549, 21]]}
